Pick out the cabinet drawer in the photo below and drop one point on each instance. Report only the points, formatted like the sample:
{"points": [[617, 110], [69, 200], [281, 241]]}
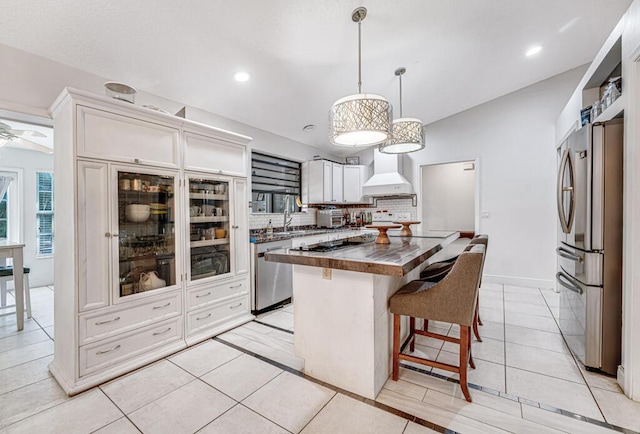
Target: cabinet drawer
{"points": [[123, 318], [110, 136], [214, 155], [211, 316], [215, 293], [103, 354]]}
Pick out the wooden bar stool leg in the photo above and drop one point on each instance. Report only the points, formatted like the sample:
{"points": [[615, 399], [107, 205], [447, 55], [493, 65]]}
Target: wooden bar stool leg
{"points": [[426, 325], [471, 362], [476, 319], [465, 338], [412, 334], [478, 311], [396, 347]]}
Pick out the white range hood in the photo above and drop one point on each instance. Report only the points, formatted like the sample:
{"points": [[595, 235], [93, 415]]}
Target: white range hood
{"points": [[386, 179]]}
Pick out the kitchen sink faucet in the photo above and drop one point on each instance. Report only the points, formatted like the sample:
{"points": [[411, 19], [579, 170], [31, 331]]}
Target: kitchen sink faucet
{"points": [[287, 199]]}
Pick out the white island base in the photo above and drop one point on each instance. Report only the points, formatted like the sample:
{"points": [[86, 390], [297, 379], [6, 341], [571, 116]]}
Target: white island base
{"points": [[343, 327]]}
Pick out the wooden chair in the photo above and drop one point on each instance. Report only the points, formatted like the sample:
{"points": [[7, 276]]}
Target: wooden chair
{"points": [[6, 274], [451, 300]]}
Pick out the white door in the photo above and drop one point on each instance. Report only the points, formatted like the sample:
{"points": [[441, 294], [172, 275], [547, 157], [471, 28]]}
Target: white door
{"points": [[327, 181], [336, 182], [449, 196], [95, 238], [352, 189], [240, 227]]}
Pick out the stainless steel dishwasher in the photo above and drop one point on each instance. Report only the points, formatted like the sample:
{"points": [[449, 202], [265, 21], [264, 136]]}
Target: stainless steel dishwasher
{"points": [[273, 281]]}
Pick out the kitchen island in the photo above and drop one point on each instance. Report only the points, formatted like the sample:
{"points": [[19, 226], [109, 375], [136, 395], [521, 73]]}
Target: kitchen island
{"points": [[342, 322]]}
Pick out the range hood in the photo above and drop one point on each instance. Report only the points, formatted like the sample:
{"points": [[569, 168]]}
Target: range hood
{"points": [[386, 179]]}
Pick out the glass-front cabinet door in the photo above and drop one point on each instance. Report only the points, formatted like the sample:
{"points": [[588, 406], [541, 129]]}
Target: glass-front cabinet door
{"points": [[146, 216], [208, 211]]}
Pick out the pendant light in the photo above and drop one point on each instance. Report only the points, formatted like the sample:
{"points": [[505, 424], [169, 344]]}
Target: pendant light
{"points": [[363, 119], [407, 133]]}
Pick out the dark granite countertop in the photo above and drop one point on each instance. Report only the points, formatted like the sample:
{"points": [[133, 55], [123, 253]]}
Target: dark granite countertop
{"points": [[395, 259]]}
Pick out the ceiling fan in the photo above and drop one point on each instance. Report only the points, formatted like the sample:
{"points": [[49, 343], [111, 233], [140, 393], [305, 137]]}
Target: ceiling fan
{"points": [[18, 136]]}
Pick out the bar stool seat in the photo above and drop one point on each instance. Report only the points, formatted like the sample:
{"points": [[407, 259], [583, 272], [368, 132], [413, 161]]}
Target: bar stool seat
{"points": [[452, 300], [6, 274]]}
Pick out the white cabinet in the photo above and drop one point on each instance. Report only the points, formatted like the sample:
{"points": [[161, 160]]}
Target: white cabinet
{"points": [[214, 155], [124, 271], [352, 186], [94, 235], [240, 227], [332, 183], [336, 183], [107, 135]]}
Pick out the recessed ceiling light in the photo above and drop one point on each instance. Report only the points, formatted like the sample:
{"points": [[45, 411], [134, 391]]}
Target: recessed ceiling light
{"points": [[309, 128], [241, 76], [534, 50]]}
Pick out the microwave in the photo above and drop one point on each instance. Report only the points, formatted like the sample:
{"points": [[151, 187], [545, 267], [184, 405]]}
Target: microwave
{"points": [[330, 218]]}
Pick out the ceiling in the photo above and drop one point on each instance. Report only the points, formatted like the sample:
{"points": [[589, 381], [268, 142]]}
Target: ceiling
{"points": [[303, 54]]}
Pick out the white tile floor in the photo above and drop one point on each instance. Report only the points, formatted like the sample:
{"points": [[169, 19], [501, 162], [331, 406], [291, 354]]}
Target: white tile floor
{"points": [[214, 388], [522, 354]]}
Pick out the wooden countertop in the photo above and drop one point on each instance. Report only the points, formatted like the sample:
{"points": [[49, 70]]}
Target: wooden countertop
{"points": [[395, 259]]}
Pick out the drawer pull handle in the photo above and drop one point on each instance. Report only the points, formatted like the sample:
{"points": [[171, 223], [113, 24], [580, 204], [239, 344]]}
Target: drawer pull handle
{"points": [[206, 316], [204, 295], [163, 306], [108, 321], [236, 286], [236, 306], [117, 347], [161, 333]]}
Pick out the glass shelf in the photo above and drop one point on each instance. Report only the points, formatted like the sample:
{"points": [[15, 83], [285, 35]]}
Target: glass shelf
{"points": [[146, 229], [209, 227]]}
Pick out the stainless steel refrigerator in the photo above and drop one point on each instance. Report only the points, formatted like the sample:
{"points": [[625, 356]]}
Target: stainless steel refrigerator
{"points": [[589, 277]]}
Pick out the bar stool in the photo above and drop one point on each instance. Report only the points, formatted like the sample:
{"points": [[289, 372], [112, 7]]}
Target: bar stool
{"points": [[451, 300], [6, 274], [438, 270], [484, 240]]}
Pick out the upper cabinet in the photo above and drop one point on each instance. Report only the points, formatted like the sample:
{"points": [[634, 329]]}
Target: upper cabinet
{"points": [[111, 136], [214, 155], [325, 182]]}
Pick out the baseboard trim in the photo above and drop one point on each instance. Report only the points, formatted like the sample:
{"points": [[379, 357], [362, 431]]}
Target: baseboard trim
{"points": [[519, 281]]}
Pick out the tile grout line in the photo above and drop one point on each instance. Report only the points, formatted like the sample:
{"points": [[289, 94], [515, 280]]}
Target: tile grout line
{"points": [[301, 374], [525, 401], [116, 406], [272, 326], [575, 361]]}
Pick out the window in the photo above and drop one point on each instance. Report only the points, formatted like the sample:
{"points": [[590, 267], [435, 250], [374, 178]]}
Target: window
{"points": [[272, 179], [44, 215], [4, 216]]}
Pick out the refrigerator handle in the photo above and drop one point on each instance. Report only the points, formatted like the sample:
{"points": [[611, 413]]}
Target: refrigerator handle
{"points": [[569, 283], [567, 254], [566, 162]]}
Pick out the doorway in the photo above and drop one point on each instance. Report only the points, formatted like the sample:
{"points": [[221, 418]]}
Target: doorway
{"points": [[449, 197]]}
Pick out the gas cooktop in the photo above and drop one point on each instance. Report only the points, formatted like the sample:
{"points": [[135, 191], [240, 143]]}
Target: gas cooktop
{"points": [[337, 244]]}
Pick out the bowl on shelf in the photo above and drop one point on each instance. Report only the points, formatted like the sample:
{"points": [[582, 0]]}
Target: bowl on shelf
{"points": [[137, 213]]}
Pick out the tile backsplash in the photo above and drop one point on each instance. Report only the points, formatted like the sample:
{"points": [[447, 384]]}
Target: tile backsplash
{"points": [[260, 221], [395, 206], [392, 206]]}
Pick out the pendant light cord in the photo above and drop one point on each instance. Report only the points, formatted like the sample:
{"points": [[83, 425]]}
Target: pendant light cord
{"points": [[400, 77], [360, 56]]}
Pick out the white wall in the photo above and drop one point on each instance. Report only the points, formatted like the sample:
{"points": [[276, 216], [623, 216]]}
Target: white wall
{"points": [[29, 84], [30, 162], [512, 138], [448, 197]]}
